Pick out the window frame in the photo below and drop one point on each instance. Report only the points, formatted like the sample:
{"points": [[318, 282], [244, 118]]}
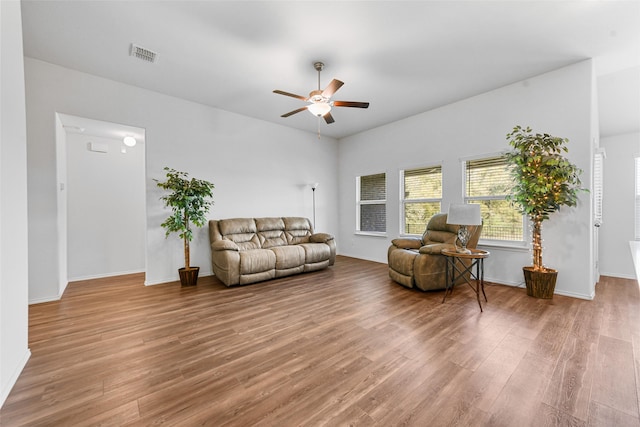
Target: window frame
{"points": [[524, 243], [636, 214], [360, 203], [403, 201]]}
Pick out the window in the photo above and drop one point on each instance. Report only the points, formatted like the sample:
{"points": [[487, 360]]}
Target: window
{"points": [[421, 196], [487, 182], [598, 180], [371, 193]]}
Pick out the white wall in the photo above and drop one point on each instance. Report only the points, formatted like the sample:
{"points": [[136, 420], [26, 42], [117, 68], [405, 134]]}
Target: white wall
{"points": [[258, 168], [106, 208], [62, 229], [558, 102], [618, 209], [14, 351]]}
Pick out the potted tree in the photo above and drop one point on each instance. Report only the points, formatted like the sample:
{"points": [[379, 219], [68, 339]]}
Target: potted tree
{"points": [[544, 180], [189, 200]]}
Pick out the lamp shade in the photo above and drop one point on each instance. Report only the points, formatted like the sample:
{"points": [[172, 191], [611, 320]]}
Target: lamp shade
{"points": [[319, 108], [466, 214]]}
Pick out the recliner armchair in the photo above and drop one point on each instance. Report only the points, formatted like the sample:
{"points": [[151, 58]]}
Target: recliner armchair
{"points": [[418, 262]]}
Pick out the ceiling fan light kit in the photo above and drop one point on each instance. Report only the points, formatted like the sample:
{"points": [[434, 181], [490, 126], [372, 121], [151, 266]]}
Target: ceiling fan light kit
{"points": [[320, 100], [319, 108]]}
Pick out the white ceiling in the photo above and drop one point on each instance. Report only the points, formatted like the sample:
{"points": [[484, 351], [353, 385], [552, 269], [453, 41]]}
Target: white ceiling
{"points": [[402, 57]]}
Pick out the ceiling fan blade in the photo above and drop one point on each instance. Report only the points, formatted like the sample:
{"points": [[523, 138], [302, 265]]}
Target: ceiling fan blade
{"points": [[350, 104], [293, 95], [328, 118], [290, 113], [332, 88]]}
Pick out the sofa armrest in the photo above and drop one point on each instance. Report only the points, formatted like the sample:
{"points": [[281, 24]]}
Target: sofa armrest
{"points": [[320, 238], [407, 243], [436, 248], [224, 245]]}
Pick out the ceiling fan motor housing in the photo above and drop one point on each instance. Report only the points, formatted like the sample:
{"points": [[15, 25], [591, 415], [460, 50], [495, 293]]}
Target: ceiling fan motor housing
{"points": [[316, 96]]}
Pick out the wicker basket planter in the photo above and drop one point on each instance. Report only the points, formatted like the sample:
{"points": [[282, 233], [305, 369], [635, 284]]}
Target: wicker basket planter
{"points": [[540, 283], [189, 277]]}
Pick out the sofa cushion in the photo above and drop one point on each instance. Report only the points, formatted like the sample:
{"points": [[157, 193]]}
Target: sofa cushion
{"points": [[256, 261], [237, 226], [242, 231], [438, 231], [315, 252], [271, 232], [288, 256], [402, 260], [297, 230]]}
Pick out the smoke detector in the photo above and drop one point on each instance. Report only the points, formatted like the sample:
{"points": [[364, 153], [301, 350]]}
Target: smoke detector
{"points": [[140, 52]]}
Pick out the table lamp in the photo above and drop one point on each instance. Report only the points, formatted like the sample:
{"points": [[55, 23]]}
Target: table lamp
{"points": [[464, 215]]}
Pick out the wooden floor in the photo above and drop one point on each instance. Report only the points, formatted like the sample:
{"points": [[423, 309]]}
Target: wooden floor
{"points": [[342, 346]]}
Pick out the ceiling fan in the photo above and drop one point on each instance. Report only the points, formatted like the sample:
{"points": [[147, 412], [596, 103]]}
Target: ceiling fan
{"points": [[320, 100]]}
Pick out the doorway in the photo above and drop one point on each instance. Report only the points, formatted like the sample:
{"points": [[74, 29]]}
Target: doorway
{"points": [[101, 199]]}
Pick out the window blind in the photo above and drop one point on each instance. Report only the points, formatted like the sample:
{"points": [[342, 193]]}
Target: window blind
{"points": [[422, 189], [423, 183], [373, 187], [487, 182], [372, 203], [488, 177], [598, 178]]}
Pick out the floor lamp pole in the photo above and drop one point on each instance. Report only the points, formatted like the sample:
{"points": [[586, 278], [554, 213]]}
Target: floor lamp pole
{"points": [[314, 207], [313, 188]]}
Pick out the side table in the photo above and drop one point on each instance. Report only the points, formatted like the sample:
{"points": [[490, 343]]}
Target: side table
{"points": [[455, 263]]}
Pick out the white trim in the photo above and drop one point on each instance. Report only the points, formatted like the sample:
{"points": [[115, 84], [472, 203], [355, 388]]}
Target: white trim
{"points": [[45, 299], [175, 278], [371, 233], [102, 276], [522, 286], [11, 381], [576, 295], [482, 156], [618, 275], [514, 245]]}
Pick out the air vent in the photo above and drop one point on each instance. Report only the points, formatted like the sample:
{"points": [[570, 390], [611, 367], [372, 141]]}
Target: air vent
{"points": [[144, 54]]}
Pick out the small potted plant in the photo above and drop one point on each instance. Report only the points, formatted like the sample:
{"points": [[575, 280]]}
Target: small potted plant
{"points": [[544, 180], [189, 200]]}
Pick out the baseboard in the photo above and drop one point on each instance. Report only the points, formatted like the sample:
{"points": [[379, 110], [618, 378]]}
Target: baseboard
{"points": [[102, 276], [557, 292], [618, 275], [45, 299], [202, 273], [503, 282], [575, 295], [6, 388]]}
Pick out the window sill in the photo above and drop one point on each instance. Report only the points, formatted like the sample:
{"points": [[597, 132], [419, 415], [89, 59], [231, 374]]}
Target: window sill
{"points": [[370, 233], [513, 246]]}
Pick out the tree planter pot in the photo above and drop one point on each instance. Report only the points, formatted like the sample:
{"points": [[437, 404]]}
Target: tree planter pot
{"points": [[189, 277], [540, 283]]}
